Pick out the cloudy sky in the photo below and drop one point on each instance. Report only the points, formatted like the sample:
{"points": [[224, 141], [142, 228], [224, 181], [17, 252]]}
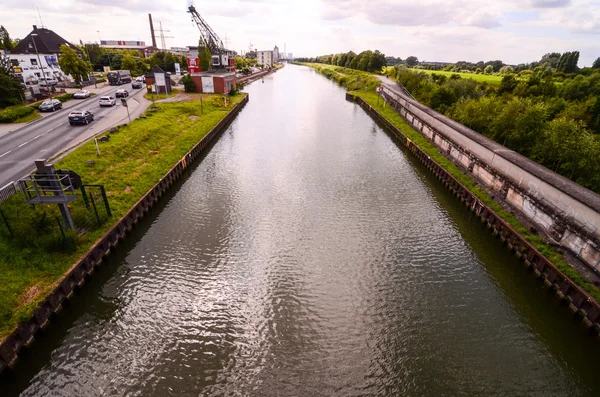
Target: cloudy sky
{"points": [[514, 31]]}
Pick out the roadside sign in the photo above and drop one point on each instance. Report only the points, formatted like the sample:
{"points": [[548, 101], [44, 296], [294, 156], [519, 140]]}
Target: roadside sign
{"points": [[124, 102]]}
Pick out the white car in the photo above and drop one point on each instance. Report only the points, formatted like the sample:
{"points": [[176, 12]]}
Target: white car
{"points": [[107, 101], [81, 94]]}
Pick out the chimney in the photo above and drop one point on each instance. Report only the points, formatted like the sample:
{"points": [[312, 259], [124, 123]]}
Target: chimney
{"points": [[152, 30], [34, 27]]}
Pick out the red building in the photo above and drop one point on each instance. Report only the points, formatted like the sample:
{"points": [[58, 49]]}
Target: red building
{"points": [[218, 82]]}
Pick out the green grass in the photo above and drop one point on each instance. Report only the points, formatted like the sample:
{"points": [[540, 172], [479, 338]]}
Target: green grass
{"points": [[148, 95], [488, 78], [131, 162], [368, 95]]}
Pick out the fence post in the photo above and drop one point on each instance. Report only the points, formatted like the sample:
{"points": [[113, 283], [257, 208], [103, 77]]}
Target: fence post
{"points": [[85, 198], [62, 231], [95, 210], [7, 225], [105, 198]]}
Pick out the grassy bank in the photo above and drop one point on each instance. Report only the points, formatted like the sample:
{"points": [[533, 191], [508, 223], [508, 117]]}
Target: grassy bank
{"points": [[368, 95], [131, 162]]}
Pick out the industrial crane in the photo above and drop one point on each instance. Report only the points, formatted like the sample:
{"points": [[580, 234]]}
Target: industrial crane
{"points": [[221, 57]]}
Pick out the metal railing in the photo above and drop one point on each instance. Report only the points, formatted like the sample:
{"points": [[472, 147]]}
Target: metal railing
{"points": [[47, 188]]}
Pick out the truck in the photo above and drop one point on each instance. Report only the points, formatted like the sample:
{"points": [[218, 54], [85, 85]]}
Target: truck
{"points": [[118, 77]]}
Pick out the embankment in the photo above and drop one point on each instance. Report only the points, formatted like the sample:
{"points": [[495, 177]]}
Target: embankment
{"points": [[63, 289], [579, 301], [566, 211]]}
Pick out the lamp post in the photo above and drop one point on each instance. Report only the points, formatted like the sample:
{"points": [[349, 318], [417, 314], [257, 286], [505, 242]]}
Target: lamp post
{"points": [[33, 35]]}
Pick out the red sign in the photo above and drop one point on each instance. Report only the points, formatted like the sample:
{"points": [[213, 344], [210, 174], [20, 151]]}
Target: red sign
{"points": [[193, 65]]}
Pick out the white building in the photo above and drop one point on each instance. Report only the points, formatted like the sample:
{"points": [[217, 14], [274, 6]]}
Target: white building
{"points": [[264, 58], [30, 67]]}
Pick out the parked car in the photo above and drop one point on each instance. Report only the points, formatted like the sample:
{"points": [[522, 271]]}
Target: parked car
{"points": [[122, 93], [49, 81], [80, 117], [50, 105], [107, 101], [137, 84], [81, 94], [141, 78]]}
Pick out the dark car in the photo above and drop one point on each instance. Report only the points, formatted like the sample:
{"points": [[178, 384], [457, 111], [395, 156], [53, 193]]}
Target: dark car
{"points": [[137, 84], [50, 105], [121, 93], [80, 117]]}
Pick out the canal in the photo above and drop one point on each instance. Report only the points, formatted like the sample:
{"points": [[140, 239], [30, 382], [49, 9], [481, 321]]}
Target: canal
{"points": [[308, 255]]}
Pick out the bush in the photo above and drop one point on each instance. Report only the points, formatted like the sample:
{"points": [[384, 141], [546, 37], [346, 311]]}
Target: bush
{"points": [[10, 115], [64, 97], [188, 84]]}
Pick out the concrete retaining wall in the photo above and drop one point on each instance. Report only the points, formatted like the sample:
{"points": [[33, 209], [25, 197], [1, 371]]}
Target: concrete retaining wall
{"points": [[577, 299], [568, 212], [76, 276]]}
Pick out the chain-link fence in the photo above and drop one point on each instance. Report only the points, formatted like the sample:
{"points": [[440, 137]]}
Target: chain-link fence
{"points": [[43, 226]]}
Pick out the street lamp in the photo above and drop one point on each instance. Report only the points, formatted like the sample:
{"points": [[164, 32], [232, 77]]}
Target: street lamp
{"points": [[33, 35]]}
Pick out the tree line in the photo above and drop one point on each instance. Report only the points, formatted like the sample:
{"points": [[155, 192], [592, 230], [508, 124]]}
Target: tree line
{"points": [[557, 125], [368, 61]]}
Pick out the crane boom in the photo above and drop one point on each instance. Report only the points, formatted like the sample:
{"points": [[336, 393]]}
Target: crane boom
{"points": [[207, 35]]}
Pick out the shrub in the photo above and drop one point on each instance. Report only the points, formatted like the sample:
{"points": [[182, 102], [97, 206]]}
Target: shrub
{"points": [[10, 115], [188, 84]]}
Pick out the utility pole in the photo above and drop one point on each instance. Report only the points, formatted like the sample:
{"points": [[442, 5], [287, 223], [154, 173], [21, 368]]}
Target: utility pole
{"points": [[33, 36]]}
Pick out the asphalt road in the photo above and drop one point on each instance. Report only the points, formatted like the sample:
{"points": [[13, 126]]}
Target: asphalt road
{"points": [[51, 135]]}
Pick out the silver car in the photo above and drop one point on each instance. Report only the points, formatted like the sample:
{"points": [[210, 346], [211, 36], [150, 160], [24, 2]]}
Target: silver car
{"points": [[107, 101], [81, 94]]}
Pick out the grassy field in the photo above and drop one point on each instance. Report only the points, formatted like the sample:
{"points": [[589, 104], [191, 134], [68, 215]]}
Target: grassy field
{"points": [[488, 78], [368, 95], [131, 162]]}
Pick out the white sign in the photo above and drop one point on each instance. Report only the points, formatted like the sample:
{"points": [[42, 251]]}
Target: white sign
{"points": [[159, 79], [106, 69], [207, 84], [177, 69]]}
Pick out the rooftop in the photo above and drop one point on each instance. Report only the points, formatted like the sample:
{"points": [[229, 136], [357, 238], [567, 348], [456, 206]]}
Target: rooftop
{"points": [[46, 41]]}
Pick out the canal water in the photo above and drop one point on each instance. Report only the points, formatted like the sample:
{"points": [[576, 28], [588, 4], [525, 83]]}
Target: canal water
{"points": [[308, 255]]}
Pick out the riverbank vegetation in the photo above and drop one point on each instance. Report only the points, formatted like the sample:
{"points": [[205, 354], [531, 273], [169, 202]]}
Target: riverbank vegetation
{"points": [[366, 91], [132, 161]]}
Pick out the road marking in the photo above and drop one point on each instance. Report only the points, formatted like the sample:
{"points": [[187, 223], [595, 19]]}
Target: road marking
{"points": [[32, 139], [2, 155]]}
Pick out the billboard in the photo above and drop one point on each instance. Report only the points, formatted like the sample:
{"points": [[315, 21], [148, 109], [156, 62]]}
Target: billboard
{"points": [[207, 84], [193, 65], [178, 69]]}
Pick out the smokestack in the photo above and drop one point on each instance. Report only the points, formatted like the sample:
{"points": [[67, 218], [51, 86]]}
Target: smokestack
{"points": [[152, 30]]}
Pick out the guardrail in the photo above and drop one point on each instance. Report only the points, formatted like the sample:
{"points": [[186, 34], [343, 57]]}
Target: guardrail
{"points": [[7, 192]]}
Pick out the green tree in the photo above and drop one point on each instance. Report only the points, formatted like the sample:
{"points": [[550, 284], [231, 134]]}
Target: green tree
{"points": [[204, 57], [412, 61], [70, 63], [11, 90], [595, 112], [508, 84], [442, 98], [5, 41], [183, 62], [489, 69], [129, 63], [596, 64]]}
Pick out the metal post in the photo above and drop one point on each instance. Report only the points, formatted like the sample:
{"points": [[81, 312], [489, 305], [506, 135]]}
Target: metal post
{"points": [[6, 223], [66, 214], [85, 198], [105, 198], [42, 68], [95, 210], [62, 231]]}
